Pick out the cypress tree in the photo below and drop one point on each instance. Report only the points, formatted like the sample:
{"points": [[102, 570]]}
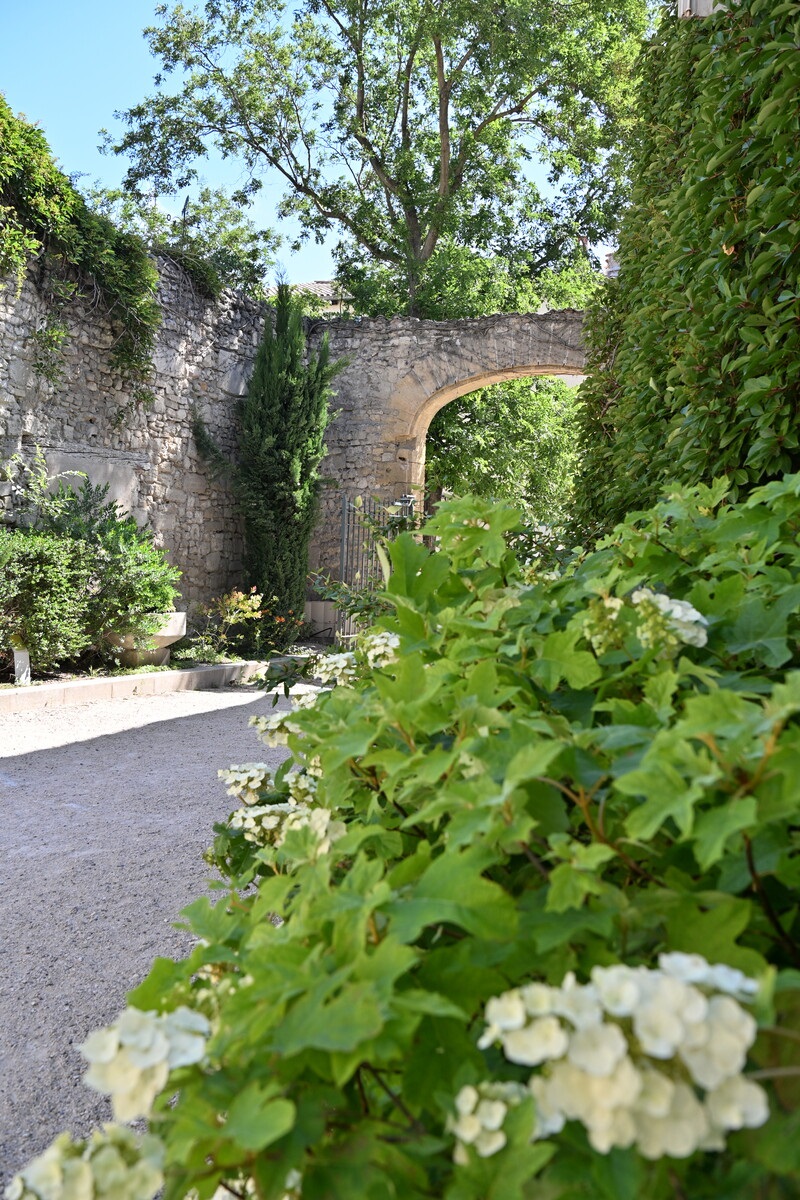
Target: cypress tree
{"points": [[283, 418], [282, 422]]}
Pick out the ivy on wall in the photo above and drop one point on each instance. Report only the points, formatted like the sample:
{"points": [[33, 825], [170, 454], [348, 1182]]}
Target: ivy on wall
{"points": [[81, 253], [695, 349]]}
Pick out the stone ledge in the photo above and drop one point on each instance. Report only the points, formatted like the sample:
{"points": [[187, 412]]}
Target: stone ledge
{"points": [[155, 683]]}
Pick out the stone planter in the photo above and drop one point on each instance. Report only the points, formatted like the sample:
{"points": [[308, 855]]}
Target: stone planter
{"points": [[152, 649]]}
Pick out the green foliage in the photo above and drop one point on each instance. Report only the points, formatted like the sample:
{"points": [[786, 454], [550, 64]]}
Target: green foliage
{"points": [[42, 216], [212, 241], [403, 126], [241, 624], [125, 579], [44, 597], [361, 604], [513, 272], [549, 773], [132, 580], [282, 422], [696, 347], [513, 441]]}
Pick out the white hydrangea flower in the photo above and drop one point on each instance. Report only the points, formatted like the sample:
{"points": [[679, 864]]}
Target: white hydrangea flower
{"points": [[538, 999], [481, 1112], [187, 1032], [655, 1096], [669, 1006], [488, 1142], [618, 989], [659, 1068], [502, 1013], [113, 1164], [679, 1132], [737, 1104], [579, 1003], [730, 1032], [262, 823], [319, 821], [693, 968], [682, 618], [658, 1029], [380, 649], [336, 668], [543, 1039], [131, 1060], [306, 699], [550, 1117], [598, 1049], [247, 782], [302, 786], [467, 1100], [274, 729]]}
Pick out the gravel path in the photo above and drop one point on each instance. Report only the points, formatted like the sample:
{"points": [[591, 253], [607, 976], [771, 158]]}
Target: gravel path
{"points": [[106, 810]]}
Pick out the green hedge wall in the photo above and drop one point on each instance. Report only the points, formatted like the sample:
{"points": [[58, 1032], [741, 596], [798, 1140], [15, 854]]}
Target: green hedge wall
{"points": [[695, 349]]}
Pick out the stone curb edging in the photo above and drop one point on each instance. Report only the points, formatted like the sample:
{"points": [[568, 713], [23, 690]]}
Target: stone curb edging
{"points": [[155, 683]]}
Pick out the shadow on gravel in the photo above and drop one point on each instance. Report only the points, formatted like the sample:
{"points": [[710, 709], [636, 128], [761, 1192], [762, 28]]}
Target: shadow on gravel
{"points": [[101, 846]]}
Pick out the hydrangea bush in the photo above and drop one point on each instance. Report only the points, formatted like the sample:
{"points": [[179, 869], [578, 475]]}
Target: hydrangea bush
{"points": [[517, 918]]}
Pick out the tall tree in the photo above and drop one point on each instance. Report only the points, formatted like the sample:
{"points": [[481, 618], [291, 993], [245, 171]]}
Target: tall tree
{"points": [[401, 123]]}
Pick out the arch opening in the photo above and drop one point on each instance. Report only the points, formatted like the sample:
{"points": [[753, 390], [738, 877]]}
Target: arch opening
{"points": [[513, 438]]}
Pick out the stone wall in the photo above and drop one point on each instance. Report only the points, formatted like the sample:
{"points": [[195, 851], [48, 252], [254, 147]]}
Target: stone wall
{"points": [[149, 459], [399, 373]]}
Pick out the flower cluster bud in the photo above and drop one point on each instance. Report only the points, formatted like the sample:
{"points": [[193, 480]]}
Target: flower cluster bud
{"points": [[113, 1164], [247, 782], [336, 668], [268, 824], [644, 1058], [600, 626], [131, 1059]]}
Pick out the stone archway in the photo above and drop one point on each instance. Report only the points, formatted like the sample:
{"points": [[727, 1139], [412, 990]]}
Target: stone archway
{"points": [[400, 373]]}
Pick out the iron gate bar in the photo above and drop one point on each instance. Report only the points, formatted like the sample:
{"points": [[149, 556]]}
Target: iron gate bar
{"points": [[359, 564]]}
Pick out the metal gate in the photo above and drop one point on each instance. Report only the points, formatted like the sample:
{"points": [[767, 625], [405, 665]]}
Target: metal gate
{"points": [[359, 566]]}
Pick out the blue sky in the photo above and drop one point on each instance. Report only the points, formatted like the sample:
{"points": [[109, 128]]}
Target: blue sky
{"points": [[69, 66]]}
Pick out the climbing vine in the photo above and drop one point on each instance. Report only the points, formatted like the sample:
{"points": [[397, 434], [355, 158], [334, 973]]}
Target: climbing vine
{"points": [[80, 254], [696, 347]]}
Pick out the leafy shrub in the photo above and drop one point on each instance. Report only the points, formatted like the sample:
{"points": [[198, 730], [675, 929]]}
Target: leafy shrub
{"points": [[696, 346], [241, 624], [132, 579], [522, 774], [44, 597], [128, 576]]}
